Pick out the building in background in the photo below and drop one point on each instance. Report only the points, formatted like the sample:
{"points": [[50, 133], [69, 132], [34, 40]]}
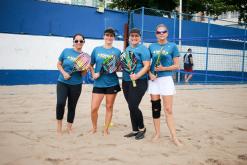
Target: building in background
{"points": [[92, 3]]}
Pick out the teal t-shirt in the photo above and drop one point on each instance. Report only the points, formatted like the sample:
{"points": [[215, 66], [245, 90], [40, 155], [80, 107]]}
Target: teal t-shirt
{"points": [[142, 54], [97, 57], [168, 52], [67, 58]]}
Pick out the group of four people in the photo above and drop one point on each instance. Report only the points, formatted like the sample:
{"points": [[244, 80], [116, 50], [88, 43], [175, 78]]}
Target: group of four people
{"points": [[155, 79]]}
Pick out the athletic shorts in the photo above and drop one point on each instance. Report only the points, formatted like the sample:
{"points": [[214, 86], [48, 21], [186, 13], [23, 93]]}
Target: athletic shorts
{"points": [[162, 86], [188, 68], [107, 90]]}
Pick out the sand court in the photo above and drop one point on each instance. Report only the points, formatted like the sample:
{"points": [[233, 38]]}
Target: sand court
{"points": [[211, 121]]}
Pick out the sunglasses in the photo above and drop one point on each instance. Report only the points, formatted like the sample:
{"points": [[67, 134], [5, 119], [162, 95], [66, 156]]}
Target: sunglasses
{"points": [[161, 32], [81, 41]]}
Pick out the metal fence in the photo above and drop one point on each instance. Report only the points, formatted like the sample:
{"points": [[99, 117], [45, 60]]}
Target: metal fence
{"points": [[218, 46]]}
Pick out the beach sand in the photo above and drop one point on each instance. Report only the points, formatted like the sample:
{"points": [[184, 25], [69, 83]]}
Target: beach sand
{"points": [[211, 121]]}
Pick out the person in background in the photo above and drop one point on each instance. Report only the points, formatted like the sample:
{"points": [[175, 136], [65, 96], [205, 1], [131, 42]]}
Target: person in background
{"points": [[165, 60], [188, 65], [69, 84]]}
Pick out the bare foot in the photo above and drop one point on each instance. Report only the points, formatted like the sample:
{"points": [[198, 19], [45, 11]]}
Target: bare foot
{"points": [[69, 131], [106, 132], [92, 131], [156, 138], [177, 142], [59, 133], [69, 128]]}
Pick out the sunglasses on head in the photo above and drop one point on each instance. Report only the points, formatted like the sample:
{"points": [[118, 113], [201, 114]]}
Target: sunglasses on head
{"points": [[161, 32], [81, 41]]}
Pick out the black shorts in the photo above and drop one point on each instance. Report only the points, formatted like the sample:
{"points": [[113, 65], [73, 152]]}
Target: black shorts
{"points": [[107, 90]]}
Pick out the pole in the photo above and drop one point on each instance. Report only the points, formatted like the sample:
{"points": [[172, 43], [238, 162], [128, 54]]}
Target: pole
{"points": [[243, 54], [180, 32], [142, 24], [180, 24], [206, 73], [174, 26]]}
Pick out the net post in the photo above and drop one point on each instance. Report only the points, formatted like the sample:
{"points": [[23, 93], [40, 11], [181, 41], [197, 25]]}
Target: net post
{"points": [[244, 54], [206, 69]]}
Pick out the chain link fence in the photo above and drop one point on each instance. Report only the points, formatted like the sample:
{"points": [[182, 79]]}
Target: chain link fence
{"points": [[218, 46]]}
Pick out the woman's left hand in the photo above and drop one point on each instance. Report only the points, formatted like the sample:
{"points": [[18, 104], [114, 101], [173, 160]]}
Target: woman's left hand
{"points": [[95, 75]]}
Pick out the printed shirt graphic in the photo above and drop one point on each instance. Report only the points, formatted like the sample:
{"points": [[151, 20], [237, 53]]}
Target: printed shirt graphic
{"points": [[169, 51], [97, 57], [67, 58], [142, 54]]}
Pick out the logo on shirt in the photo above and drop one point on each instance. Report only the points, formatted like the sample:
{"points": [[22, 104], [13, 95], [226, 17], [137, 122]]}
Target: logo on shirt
{"points": [[71, 58], [161, 52], [102, 55]]}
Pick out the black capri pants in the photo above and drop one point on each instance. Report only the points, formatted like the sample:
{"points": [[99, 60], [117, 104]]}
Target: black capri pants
{"points": [[64, 91], [133, 96]]}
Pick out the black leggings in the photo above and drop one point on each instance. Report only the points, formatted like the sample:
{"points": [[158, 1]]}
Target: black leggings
{"points": [[72, 92], [133, 96]]}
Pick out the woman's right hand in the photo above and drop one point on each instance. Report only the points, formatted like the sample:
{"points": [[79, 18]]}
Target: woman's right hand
{"points": [[95, 75], [66, 76], [152, 76]]}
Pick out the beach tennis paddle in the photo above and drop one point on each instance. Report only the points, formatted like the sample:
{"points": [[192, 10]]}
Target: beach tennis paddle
{"points": [[128, 63], [110, 64], [81, 63], [157, 62]]}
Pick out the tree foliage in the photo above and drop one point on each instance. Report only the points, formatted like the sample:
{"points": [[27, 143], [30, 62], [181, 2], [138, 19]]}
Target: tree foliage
{"points": [[212, 7]]}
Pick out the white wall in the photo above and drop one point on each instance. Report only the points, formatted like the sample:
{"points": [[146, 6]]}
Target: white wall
{"points": [[38, 52], [41, 53]]}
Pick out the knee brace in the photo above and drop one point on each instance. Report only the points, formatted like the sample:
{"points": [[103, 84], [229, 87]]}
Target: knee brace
{"points": [[156, 108]]}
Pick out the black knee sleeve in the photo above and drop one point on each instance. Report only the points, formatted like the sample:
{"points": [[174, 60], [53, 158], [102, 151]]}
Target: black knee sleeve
{"points": [[156, 108]]}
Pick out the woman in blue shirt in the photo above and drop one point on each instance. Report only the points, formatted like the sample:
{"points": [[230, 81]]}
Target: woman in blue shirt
{"points": [[133, 95], [68, 85], [105, 84], [165, 60]]}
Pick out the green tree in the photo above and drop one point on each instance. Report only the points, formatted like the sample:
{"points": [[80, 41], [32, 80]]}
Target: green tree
{"points": [[167, 5], [128, 4], [212, 7], [216, 7]]}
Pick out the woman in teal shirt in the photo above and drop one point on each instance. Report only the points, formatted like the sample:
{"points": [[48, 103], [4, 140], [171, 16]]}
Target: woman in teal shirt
{"points": [[133, 95], [165, 60], [105, 84], [68, 85]]}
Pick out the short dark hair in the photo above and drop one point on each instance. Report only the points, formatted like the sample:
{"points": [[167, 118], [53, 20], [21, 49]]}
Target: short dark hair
{"points": [[189, 49], [135, 30], [110, 31], [78, 34]]}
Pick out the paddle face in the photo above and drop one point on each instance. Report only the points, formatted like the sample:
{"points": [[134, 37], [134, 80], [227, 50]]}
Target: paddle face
{"points": [[157, 63], [110, 64], [128, 61], [81, 63]]}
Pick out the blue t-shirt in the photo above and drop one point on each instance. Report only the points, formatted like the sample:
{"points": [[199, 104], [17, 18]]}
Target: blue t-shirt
{"points": [[142, 54], [168, 52], [67, 58], [97, 57]]}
